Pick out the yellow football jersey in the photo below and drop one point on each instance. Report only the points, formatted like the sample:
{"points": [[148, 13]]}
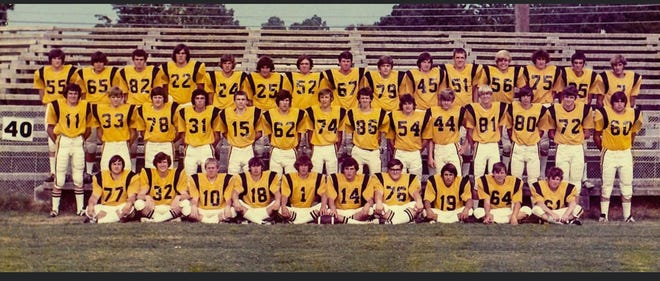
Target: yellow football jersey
{"points": [[348, 194], [345, 87], [116, 122], [113, 192], [95, 86], [210, 195], [503, 84], [487, 123], [463, 81], [198, 127], [325, 125], [181, 81], [396, 193], [407, 130], [256, 194], [630, 84], [157, 125], [447, 198], [54, 82], [500, 195], [262, 91], [445, 126], [136, 84], [366, 127], [589, 83], [302, 193], [565, 193], [569, 126], [223, 88], [71, 121], [283, 129], [525, 124], [543, 82], [240, 130], [303, 87], [617, 128], [163, 189], [425, 86], [386, 90]]}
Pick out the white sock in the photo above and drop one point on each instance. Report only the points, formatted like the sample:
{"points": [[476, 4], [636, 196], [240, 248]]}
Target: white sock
{"points": [[56, 203], [52, 164], [80, 199], [89, 167], [133, 164], [605, 207], [627, 208]]}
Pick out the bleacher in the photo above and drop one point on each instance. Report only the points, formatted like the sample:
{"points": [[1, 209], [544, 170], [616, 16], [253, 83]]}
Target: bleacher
{"points": [[24, 165]]}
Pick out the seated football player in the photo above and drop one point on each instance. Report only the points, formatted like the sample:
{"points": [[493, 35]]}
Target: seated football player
{"points": [[163, 192], [113, 193], [448, 197], [210, 194], [396, 195], [256, 194], [300, 198], [348, 196], [502, 197], [555, 200]]}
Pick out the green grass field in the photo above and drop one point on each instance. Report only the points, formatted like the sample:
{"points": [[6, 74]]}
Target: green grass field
{"points": [[32, 242]]}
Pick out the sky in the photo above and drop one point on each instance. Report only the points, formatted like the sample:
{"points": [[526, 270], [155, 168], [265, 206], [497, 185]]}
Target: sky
{"points": [[337, 16]]}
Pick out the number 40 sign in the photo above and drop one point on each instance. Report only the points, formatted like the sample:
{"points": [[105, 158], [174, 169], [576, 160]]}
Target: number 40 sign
{"points": [[17, 129]]}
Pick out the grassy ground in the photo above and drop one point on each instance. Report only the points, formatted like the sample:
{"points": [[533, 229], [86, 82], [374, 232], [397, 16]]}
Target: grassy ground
{"points": [[29, 241]]}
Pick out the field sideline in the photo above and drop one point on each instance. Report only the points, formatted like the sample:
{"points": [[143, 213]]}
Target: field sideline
{"points": [[31, 242]]}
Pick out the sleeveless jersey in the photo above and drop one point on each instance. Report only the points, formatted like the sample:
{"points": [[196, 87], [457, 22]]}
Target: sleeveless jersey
{"points": [[386, 90], [325, 125], [115, 192], [256, 194], [240, 130], [223, 88], [54, 82], [302, 193], [181, 81], [136, 84], [500, 195], [345, 87], [366, 127], [163, 189], [447, 198], [71, 121], [487, 123], [396, 193], [557, 199], [210, 195], [617, 128], [157, 125], [198, 127], [445, 125], [303, 87]]}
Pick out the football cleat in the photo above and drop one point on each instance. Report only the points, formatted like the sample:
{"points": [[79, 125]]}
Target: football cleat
{"points": [[54, 213], [630, 219], [81, 213], [587, 184], [89, 220], [575, 222], [603, 218], [326, 219]]}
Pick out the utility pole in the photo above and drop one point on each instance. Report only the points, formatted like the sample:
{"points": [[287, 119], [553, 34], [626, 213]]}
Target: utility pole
{"points": [[522, 17]]}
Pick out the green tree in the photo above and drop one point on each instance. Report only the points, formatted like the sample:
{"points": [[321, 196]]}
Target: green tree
{"points": [[3, 13], [172, 15], [313, 23], [274, 23]]}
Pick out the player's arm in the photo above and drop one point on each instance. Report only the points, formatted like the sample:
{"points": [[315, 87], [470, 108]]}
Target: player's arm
{"points": [[599, 141], [514, 215], [429, 159], [94, 198]]}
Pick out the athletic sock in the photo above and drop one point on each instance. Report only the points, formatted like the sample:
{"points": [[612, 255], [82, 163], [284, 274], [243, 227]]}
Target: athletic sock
{"points": [[626, 206]]}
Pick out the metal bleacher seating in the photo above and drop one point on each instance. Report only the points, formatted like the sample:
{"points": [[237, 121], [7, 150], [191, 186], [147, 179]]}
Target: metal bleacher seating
{"points": [[24, 165]]}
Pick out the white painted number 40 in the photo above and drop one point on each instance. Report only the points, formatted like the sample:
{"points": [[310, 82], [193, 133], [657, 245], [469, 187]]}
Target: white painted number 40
{"points": [[17, 129]]}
